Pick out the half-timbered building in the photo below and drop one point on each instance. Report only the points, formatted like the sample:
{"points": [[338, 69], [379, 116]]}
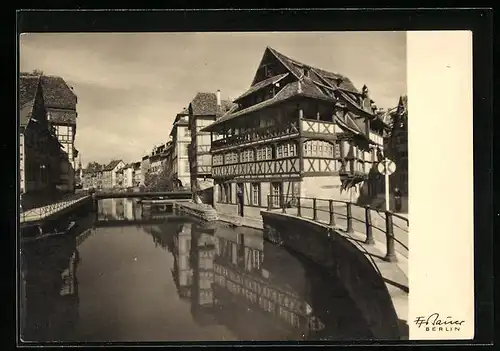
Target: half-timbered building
{"points": [[60, 101], [203, 111], [297, 131], [39, 149]]}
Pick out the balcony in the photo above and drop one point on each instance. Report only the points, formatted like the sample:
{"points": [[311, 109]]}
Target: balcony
{"points": [[355, 170], [257, 134]]}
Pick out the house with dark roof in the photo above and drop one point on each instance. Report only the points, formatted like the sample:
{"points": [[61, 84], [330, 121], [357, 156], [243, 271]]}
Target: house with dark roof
{"points": [[60, 104], [298, 130], [39, 149], [204, 110], [111, 174], [180, 137]]}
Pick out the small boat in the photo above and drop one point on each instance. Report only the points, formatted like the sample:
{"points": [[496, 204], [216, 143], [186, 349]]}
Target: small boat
{"points": [[56, 233]]}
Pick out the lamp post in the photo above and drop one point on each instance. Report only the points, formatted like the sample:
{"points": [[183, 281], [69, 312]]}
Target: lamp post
{"points": [[42, 172]]}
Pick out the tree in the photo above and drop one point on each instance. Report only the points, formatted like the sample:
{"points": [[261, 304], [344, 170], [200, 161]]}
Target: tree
{"points": [[37, 72], [94, 167], [160, 181]]}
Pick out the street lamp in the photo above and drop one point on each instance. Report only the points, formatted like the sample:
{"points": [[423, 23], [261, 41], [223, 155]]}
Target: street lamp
{"points": [[42, 172]]}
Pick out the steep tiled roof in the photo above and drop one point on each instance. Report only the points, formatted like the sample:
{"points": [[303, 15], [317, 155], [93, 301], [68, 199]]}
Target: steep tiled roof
{"points": [[111, 165], [28, 86], [204, 104], [262, 84], [57, 94], [296, 68], [287, 92]]}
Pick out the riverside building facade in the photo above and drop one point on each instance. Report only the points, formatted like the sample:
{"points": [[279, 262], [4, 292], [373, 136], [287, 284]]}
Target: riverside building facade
{"points": [[297, 131]]}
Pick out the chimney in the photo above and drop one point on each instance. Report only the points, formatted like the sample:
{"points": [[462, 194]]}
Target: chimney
{"points": [[217, 94]]}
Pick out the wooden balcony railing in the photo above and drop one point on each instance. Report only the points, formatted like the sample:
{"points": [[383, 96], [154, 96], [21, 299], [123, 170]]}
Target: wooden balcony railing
{"points": [[386, 226], [256, 135]]}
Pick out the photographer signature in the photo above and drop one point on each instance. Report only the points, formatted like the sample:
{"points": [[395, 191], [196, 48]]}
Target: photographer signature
{"points": [[434, 319]]}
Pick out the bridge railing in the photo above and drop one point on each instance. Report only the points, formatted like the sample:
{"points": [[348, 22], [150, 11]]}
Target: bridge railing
{"points": [[47, 210], [384, 226]]}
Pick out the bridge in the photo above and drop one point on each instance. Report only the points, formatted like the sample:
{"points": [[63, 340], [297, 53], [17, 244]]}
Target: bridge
{"points": [[367, 248], [168, 195], [39, 215]]}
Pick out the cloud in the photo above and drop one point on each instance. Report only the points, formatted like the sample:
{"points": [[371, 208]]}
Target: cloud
{"points": [[130, 86]]}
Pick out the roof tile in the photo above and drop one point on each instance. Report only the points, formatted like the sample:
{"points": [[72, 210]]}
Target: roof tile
{"points": [[57, 94]]}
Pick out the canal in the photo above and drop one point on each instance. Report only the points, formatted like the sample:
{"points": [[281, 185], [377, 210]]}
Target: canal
{"points": [[133, 274]]}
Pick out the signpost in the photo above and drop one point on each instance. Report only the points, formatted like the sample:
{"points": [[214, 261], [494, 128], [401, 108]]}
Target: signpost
{"points": [[386, 167]]}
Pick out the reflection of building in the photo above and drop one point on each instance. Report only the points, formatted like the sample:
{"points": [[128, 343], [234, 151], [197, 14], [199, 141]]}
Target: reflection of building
{"points": [[297, 131], [202, 255], [51, 291], [107, 209], [182, 266], [238, 271], [119, 208], [129, 213]]}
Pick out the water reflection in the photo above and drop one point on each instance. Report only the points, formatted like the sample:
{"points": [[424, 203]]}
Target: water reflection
{"points": [[176, 280], [128, 210], [257, 290], [49, 288]]}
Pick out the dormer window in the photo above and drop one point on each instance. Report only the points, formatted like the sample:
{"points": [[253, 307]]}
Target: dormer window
{"points": [[306, 71], [364, 91]]}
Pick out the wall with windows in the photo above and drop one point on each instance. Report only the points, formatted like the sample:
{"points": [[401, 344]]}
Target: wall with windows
{"points": [[287, 149], [65, 135], [183, 134], [264, 153]]}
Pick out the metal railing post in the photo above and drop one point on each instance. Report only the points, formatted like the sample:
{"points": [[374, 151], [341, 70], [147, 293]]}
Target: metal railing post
{"points": [[283, 205], [332, 214], [298, 207], [349, 218], [269, 202], [315, 212], [389, 234], [368, 224]]}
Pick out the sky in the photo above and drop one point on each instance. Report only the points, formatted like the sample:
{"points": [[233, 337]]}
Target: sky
{"points": [[130, 86]]}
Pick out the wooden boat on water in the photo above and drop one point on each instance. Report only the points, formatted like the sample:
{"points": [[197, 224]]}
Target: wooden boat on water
{"points": [[37, 236]]}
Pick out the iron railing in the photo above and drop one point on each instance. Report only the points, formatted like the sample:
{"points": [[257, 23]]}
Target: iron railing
{"points": [[39, 213], [384, 226]]}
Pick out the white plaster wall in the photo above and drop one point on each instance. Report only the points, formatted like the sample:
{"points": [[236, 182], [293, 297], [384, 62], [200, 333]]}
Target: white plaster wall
{"points": [[326, 187]]}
